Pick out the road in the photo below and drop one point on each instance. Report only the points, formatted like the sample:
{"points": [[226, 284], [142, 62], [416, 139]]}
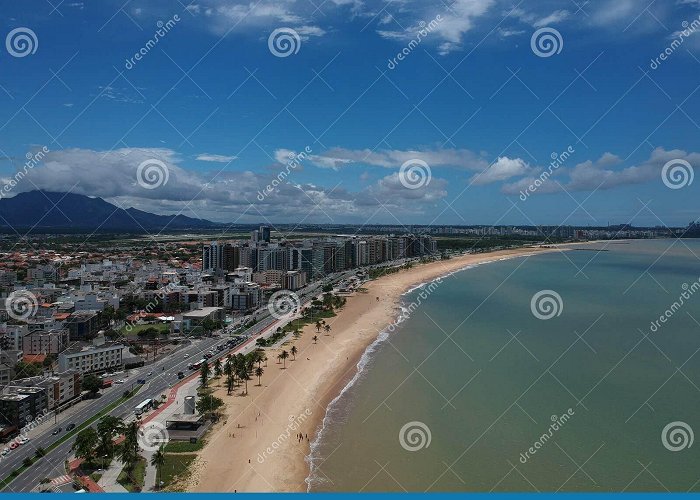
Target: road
{"points": [[164, 376]]}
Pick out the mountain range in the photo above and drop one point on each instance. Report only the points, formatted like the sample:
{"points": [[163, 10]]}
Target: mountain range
{"points": [[42, 210]]}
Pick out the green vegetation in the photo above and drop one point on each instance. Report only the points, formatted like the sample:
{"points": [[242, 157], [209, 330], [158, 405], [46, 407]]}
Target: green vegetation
{"points": [[183, 446], [150, 331], [127, 395], [174, 465], [134, 478]]}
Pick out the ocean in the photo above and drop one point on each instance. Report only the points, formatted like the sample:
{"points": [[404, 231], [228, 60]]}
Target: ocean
{"points": [[553, 372]]}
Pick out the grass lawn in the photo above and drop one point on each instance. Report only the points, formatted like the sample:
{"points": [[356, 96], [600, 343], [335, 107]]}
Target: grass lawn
{"points": [[183, 446], [138, 474], [175, 465], [135, 329]]}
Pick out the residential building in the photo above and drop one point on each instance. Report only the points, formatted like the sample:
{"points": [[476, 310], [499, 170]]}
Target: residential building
{"points": [[92, 358]]}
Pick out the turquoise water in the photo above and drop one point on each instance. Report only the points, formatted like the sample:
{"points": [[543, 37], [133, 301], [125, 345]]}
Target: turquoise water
{"points": [[483, 376]]}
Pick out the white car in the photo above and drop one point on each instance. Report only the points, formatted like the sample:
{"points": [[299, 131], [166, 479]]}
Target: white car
{"points": [[149, 374], [24, 440], [120, 381], [5, 452], [187, 355]]}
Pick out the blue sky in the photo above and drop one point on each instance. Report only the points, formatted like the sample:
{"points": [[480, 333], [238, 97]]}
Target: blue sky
{"points": [[471, 100]]}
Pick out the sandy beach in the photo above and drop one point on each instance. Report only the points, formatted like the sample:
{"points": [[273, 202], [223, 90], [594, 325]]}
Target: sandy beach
{"points": [[256, 448]]}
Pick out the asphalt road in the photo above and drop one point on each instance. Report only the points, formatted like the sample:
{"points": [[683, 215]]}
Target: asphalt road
{"points": [[164, 376]]}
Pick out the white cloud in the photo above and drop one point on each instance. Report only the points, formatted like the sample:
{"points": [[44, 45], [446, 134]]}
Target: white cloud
{"points": [[502, 169], [215, 158], [221, 195], [603, 174], [336, 158]]}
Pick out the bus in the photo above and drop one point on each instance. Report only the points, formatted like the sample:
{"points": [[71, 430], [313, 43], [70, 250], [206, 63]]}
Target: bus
{"points": [[143, 406], [198, 364], [106, 383]]}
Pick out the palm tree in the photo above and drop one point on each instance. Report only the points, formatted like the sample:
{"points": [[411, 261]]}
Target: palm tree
{"points": [[130, 449], [283, 356], [259, 373], [327, 329], [318, 326], [243, 375], [294, 351], [230, 383], [315, 339], [204, 373], [217, 368], [158, 461]]}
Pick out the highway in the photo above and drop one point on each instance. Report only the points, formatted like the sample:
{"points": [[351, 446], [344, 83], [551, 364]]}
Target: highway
{"points": [[164, 376]]}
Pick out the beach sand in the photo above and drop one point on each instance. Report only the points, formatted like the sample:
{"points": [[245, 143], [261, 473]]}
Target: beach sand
{"points": [[249, 451]]}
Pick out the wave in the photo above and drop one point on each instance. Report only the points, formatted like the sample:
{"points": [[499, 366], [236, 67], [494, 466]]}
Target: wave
{"points": [[313, 459]]}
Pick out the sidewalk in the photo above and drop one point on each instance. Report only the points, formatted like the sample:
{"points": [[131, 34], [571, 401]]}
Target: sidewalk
{"points": [[108, 481]]}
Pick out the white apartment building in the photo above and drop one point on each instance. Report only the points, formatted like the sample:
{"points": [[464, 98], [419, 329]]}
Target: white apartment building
{"points": [[92, 359]]}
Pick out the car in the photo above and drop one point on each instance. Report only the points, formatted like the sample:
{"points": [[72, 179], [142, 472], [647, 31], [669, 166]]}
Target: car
{"points": [[5, 452], [14, 445], [56, 431], [149, 374], [23, 440], [70, 427], [120, 381], [187, 355]]}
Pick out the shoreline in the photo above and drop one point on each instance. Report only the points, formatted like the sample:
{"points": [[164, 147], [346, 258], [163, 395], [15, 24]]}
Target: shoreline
{"points": [[253, 447]]}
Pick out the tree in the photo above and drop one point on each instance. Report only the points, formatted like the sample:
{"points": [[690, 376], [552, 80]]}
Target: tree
{"points": [[158, 461], [327, 329], [294, 351], [315, 339], [130, 449], [24, 370], [85, 444], [217, 368], [208, 404], [91, 384], [243, 375], [259, 373], [204, 373], [283, 356], [107, 429], [318, 326], [230, 383]]}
